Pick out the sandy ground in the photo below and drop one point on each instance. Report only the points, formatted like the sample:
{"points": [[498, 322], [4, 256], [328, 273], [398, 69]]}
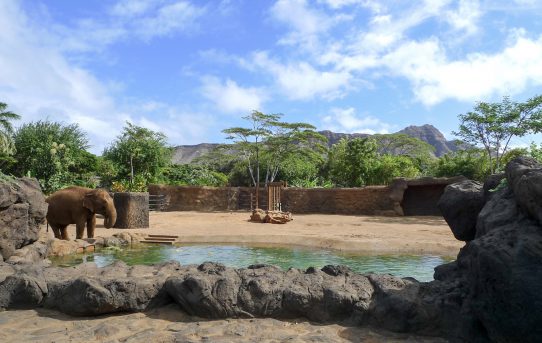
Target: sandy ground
{"points": [[171, 325], [386, 235]]}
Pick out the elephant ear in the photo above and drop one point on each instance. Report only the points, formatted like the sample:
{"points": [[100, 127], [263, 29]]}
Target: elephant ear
{"points": [[88, 202]]}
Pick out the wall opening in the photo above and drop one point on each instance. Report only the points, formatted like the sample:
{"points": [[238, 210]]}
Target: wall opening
{"points": [[421, 200]]}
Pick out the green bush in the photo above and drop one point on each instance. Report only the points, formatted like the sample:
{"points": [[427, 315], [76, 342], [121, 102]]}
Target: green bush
{"points": [[53, 153], [195, 175]]}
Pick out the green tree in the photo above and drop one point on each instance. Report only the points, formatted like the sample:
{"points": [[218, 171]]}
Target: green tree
{"points": [[399, 144], [388, 167], [536, 151], [53, 153], [269, 142], [472, 163], [351, 161], [139, 153], [493, 125], [290, 141], [303, 171], [7, 146]]}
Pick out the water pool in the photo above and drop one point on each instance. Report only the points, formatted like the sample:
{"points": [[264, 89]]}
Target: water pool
{"points": [[419, 267]]}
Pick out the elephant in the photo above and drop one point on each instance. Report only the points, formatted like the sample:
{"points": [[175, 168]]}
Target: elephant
{"points": [[79, 205]]}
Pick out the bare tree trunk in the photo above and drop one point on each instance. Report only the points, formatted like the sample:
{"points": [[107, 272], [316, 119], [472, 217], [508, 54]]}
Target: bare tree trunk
{"points": [[131, 169], [257, 180]]}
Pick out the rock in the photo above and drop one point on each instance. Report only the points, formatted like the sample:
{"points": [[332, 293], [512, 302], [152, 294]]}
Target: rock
{"points": [[460, 205], [88, 290], [34, 253], [504, 274], [501, 209], [60, 247], [23, 289], [115, 241], [491, 292], [210, 291], [276, 217], [22, 210], [258, 215], [525, 177], [491, 185], [130, 237], [6, 270]]}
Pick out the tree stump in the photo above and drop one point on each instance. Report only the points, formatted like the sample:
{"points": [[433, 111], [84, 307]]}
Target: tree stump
{"points": [[132, 210]]}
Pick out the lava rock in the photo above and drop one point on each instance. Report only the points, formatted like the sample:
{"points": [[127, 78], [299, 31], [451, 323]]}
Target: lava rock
{"points": [[22, 210], [460, 205], [24, 289], [525, 177], [491, 184]]}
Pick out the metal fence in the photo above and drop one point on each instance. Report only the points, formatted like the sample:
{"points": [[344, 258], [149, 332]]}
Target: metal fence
{"points": [[157, 202]]}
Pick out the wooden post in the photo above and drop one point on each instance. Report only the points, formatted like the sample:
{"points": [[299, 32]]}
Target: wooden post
{"points": [[273, 195]]}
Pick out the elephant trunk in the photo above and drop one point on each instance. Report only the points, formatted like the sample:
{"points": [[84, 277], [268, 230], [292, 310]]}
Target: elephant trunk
{"points": [[110, 217]]}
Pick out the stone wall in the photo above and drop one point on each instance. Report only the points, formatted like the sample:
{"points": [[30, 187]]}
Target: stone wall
{"points": [[368, 200], [411, 197]]}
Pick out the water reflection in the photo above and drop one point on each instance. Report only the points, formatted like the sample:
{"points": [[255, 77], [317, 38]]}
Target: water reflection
{"points": [[420, 267]]}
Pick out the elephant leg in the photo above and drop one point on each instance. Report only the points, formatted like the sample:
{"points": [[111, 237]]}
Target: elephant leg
{"points": [[64, 232], [80, 229], [56, 230], [91, 226]]}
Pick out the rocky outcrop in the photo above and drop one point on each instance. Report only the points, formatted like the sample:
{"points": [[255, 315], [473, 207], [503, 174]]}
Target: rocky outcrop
{"points": [[497, 276], [22, 210], [211, 290], [431, 135], [462, 219]]}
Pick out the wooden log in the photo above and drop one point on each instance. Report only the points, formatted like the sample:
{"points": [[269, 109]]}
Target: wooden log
{"points": [[132, 210]]}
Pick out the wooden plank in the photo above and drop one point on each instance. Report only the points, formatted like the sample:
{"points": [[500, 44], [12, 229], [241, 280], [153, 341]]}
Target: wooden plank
{"points": [[164, 236], [159, 242]]}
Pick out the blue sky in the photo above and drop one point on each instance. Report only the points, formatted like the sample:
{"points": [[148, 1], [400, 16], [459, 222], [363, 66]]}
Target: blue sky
{"points": [[193, 68]]}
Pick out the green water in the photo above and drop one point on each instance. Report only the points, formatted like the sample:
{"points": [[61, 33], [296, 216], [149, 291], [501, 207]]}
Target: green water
{"points": [[419, 267]]}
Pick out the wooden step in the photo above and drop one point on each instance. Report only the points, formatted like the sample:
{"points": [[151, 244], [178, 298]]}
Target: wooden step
{"points": [[162, 236], [158, 242], [160, 239]]}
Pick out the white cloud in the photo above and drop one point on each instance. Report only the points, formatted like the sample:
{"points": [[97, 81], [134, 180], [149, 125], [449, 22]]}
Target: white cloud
{"points": [[38, 82], [435, 78], [306, 23], [347, 121], [300, 80], [175, 17], [132, 8], [374, 6], [129, 19], [229, 97], [465, 17]]}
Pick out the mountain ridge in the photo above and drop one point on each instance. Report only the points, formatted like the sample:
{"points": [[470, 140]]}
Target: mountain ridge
{"points": [[427, 133]]}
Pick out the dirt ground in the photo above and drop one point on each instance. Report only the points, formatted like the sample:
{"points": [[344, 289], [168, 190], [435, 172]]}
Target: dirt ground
{"points": [[386, 235]]}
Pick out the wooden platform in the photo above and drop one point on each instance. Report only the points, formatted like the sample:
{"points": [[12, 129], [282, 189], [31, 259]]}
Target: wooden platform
{"points": [[160, 239]]}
